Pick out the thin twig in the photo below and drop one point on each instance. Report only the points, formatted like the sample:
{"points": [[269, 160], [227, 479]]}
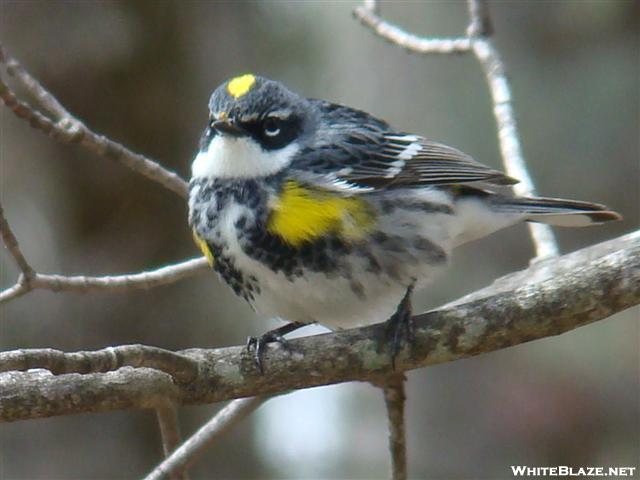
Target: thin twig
{"points": [[69, 129], [408, 41], [182, 368], [479, 19], [476, 40], [13, 292], [167, 415], [109, 283], [372, 5], [600, 280], [394, 399], [12, 245], [512, 157], [35, 88], [141, 280], [224, 420]]}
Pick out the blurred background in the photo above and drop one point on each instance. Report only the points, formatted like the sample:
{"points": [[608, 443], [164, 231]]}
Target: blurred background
{"points": [[141, 72]]}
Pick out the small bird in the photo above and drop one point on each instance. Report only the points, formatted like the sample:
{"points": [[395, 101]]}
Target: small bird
{"points": [[315, 212]]}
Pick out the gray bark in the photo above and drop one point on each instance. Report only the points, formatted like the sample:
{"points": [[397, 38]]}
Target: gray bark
{"points": [[549, 298]]}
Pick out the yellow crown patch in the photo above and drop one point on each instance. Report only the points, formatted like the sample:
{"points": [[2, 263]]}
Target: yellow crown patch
{"points": [[239, 86]]}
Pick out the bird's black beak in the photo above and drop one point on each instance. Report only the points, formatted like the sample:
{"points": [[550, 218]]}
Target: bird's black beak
{"points": [[227, 127]]}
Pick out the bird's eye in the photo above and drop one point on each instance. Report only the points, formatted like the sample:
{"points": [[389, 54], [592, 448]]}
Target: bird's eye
{"points": [[271, 127]]}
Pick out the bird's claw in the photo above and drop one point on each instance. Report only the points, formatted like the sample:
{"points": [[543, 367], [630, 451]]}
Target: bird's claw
{"points": [[400, 328], [258, 344]]}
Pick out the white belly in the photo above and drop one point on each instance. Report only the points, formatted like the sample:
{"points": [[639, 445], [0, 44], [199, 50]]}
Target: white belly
{"points": [[328, 301]]}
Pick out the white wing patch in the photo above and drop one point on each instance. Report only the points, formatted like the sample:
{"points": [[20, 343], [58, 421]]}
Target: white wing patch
{"points": [[403, 138], [411, 151], [412, 142], [395, 169], [412, 148], [341, 185]]}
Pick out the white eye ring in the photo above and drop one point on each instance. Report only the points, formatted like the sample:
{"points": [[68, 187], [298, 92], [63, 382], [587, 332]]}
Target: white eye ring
{"points": [[271, 132]]}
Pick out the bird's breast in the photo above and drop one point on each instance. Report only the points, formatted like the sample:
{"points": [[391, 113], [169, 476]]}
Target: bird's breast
{"points": [[223, 214]]}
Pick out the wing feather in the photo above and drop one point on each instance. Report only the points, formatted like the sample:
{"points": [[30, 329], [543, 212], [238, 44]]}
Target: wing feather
{"points": [[373, 156]]}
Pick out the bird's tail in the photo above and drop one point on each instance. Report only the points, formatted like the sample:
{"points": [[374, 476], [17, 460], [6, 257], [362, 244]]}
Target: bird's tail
{"points": [[556, 211]]}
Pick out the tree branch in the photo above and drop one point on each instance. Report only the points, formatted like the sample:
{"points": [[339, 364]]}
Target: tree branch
{"points": [[182, 368], [394, 399], [368, 16], [67, 128], [479, 19], [476, 40], [223, 421], [551, 297], [15, 291], [170, 433], [10, 241], [108, 283], [508, 137]]}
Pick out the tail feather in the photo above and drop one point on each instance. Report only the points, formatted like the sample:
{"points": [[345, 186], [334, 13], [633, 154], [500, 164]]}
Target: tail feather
{"points": [[482, 212], [557, 211]]}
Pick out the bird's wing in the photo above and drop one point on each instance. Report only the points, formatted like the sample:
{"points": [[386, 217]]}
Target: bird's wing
{"points": [[373, 158], [410, 160]]}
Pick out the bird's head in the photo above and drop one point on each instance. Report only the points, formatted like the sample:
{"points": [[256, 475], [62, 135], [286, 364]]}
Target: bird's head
{"points": [[254, 129]]}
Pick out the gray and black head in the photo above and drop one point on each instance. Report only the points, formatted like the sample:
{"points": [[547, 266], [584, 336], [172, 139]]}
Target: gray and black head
{"points": [[255, 127]]}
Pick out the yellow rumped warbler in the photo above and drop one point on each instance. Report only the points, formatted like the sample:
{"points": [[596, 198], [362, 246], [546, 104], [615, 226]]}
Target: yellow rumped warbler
{"points": [[317, 212]]}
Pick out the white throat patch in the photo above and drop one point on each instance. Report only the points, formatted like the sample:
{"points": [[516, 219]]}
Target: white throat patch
{"points": [[229, 157]]}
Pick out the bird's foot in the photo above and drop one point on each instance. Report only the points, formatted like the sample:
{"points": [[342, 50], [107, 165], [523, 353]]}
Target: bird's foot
{"points": [[256, 345], [400, 327]]}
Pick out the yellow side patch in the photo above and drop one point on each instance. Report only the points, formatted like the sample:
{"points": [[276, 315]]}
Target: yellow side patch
{"points": [[302, 214], [239, 86], [204, 248]]}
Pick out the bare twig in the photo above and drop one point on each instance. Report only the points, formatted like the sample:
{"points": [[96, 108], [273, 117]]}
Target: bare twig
{"points": [[44, 98], [170, 433], [12, 245], [113, 283], [479, 19], [15, 291], [368, 16], [600, 280], [181, 458], [67, 128], [372, 5], [169, 427], [182, 368], [141, 280], [394, 399], [512, 157], [476, 40]]}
